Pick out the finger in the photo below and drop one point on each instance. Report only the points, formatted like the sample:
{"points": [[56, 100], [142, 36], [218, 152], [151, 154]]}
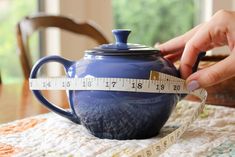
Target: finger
{"points": [[213, 74], [174, 57], [231, 39], [201, 41], [178, 43]]}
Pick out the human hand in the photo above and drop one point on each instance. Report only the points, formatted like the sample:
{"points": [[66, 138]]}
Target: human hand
{"points": [[218, 31]]}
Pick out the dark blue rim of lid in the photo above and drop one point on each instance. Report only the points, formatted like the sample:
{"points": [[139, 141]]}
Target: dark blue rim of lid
{"points": [[121, 47]]}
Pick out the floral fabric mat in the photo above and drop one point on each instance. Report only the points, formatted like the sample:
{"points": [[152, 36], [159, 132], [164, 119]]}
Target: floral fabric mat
{"points": [[212, 134]]}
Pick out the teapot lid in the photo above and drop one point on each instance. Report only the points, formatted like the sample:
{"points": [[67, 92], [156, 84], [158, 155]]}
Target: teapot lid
{"points": [[121, 47]]}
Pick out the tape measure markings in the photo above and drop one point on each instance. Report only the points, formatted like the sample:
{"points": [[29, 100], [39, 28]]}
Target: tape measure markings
{"points": [[110, 84]]}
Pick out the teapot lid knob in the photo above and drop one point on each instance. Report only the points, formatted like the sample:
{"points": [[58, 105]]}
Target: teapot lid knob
{"points": [[121, 36], [122, 47]]}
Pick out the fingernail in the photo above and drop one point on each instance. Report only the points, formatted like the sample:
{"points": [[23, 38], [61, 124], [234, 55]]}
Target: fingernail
{"points": [[193, 85]]}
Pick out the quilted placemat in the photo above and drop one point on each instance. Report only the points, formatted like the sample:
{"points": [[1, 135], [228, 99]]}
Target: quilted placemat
{"points": [[212, 134]]}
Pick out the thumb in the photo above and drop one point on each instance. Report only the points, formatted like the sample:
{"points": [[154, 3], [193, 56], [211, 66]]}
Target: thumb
{"points": [[212, 75]]}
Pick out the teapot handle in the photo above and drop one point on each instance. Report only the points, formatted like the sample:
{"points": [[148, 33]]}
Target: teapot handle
{"points": [[200, 56], [66, 63], [195, 66]]}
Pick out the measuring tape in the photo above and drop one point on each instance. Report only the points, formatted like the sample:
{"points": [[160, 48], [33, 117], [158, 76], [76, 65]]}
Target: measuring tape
{"points": [[157, 83]]}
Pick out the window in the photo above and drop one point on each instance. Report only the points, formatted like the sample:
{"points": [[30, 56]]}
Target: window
{"points": [[11, 11], [154, 20]]}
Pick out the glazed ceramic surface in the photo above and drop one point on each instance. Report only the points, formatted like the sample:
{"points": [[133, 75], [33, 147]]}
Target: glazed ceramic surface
{"points": [[116, 115]]}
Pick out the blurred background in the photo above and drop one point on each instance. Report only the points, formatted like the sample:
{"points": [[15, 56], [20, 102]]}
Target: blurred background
{"points": [[151, 21]]}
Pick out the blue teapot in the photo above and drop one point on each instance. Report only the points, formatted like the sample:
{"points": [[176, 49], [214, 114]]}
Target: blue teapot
{"points": [[115, 114]]}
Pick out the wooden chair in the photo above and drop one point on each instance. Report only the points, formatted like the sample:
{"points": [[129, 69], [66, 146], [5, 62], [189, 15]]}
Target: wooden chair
{"points": [[28, 25]]}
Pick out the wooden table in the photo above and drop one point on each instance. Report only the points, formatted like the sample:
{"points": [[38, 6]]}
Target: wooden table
{"points": [[17, 101]]}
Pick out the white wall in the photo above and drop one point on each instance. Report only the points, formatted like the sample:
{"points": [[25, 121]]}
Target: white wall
{"points": [[99, 11]]}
